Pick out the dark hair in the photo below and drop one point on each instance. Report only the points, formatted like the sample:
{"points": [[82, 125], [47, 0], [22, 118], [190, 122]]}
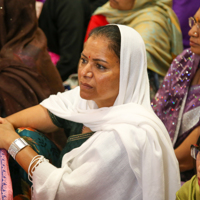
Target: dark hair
{"points": [[198, 141], [112, 33]]}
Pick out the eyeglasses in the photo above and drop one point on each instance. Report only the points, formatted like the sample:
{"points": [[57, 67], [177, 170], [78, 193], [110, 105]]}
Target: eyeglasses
{"points": [[194, 151], [193, 21]]}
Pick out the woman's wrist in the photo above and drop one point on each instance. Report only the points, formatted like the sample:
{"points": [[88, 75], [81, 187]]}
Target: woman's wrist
{"points": [[10, 140], [16, 146]]}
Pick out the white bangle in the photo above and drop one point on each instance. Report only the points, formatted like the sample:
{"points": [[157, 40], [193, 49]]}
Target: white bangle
{"points": [[17, 146], [36, 161]]}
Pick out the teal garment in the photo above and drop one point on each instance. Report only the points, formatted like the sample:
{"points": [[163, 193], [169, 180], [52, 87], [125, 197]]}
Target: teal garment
{"points": [[73, 132], [43, 146]]}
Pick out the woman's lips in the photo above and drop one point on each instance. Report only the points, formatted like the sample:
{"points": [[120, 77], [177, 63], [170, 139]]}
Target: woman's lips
{"points": [[193, 43], [85, 86]]}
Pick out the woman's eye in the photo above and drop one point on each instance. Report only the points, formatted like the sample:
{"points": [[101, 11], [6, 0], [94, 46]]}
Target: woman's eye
{"points": [[83, 61], [101, 67]]}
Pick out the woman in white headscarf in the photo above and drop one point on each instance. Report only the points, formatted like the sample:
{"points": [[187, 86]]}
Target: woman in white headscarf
{"points": [[128, 155], [155, 21]]}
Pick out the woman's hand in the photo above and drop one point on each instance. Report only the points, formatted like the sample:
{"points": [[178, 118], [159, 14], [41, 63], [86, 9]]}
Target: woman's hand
{"points": [[7, 137], [7, 134]]}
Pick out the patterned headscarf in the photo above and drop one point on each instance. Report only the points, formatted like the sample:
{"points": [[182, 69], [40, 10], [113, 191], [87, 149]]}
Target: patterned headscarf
{"points": [[157, 24]]}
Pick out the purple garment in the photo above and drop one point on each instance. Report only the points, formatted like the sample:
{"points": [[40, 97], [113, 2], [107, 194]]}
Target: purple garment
{"points": [[170, 97], [190, 120], [185, 9], [168, 100], [194, 92]]}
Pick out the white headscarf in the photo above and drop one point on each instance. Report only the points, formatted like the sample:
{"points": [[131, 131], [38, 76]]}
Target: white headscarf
{"points": [[134, 88], [130, 115]]}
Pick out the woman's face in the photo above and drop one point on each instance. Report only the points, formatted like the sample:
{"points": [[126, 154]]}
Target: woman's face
{"points": [[98, 72], [194, 34], [122, 4], [198, 167]]}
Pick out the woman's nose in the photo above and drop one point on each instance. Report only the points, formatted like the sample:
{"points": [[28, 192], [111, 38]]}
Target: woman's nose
{"points": [[87, 71], [194, 31]]}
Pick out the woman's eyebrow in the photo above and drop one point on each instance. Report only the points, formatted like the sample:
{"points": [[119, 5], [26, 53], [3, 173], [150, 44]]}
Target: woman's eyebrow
{"points": [[83, 55], [96, 59]]}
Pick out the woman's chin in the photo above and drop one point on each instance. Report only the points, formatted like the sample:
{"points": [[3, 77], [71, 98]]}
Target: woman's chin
{"points": [[85, 96], [195, 50], [113, 4]]}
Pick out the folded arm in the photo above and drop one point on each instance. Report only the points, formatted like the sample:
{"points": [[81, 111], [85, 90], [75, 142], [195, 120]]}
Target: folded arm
{"points": [[183, 151], [36, 117]]}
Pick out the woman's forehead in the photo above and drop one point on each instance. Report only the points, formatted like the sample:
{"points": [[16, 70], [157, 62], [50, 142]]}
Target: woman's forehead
{"points": [[197, 14], [94, 42], [97, 47]]}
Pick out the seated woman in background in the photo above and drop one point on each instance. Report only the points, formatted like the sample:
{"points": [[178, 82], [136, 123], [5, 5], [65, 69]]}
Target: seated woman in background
{"points": [[117, 147], [156, 23], [191, 189], [27, 75], [177, 102]]}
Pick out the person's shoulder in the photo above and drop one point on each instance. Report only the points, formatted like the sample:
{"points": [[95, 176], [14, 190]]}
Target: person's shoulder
{"points": [[187, 189], [185, 55], [186, 58]]}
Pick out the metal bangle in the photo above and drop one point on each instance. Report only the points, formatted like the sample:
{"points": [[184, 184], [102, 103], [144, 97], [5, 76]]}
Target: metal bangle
{"points": [[17, 146]]}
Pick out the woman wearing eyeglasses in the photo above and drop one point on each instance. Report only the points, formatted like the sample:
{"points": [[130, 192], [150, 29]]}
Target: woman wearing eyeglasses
{"points": [[191, 189], [185, 9], [177, 103]]}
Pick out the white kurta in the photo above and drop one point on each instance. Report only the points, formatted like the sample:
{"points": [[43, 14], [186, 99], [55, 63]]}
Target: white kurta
{"points": [[130, 156]]}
